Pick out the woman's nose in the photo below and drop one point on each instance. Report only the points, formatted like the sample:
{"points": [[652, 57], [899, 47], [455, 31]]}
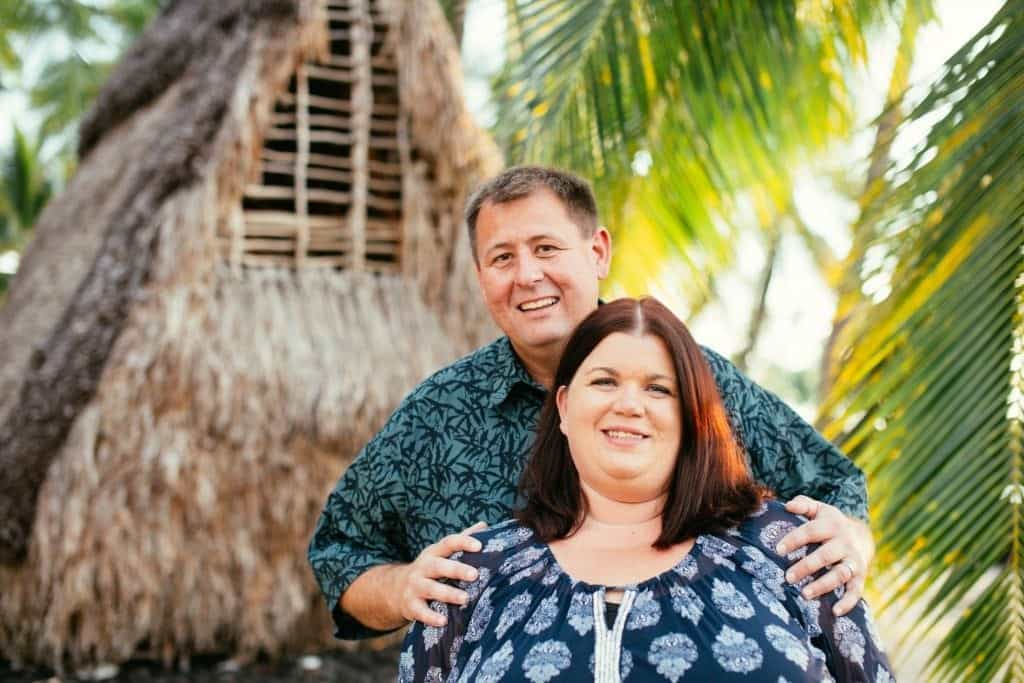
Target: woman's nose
{"points": [[628, 402]]}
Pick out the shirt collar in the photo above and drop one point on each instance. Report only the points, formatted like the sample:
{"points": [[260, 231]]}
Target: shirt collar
{"points": [[509, 371]]}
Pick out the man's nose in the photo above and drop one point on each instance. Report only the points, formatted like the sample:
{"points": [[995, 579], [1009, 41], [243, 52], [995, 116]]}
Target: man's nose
{"points": [[528, 272]]}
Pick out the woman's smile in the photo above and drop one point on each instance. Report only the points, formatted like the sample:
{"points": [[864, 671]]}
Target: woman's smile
{"points": [[625, 436]]}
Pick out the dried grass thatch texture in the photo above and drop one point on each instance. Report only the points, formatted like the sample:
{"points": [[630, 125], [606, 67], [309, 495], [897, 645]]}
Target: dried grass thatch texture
{"points": [[183, 522], [65, 321], [195, 414], [456, 156]]}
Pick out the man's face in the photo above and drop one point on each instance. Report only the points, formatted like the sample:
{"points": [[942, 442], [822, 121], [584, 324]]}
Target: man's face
{"points": [[538, 273]]}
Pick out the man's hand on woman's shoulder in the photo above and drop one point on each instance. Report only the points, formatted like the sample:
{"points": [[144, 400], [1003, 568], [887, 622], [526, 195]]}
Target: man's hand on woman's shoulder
{"points": [[845, 545], [422, 580]]}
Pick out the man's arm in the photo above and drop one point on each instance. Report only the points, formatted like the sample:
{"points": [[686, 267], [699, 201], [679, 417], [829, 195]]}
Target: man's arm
{"points": [[358, 551], [362, 523], [794, 460]]}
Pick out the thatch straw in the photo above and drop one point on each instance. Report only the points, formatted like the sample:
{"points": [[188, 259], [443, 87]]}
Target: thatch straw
{"points": [[191, 416], [183, 521]]}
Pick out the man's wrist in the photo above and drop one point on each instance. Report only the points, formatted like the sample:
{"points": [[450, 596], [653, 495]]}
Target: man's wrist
{"points": [[374, 598]]}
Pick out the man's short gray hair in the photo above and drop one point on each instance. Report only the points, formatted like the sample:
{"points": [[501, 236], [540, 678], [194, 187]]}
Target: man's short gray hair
{"points": [[519, 182]]}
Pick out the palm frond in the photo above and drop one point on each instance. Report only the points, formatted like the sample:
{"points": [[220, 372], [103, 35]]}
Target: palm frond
{"points": [[721, 97], [65, 90], [25, 189], [936, 369]]}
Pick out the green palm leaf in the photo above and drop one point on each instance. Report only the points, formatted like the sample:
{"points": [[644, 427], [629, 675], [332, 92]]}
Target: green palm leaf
{"points": [[724, 97], [936, 369], [24, 190], [65, 90]]}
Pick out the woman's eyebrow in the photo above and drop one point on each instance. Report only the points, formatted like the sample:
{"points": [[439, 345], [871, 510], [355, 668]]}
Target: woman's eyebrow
{"points": [[602, 368]]}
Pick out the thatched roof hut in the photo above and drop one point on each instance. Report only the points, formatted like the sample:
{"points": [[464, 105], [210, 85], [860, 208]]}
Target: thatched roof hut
{"points": [[260, 254]]}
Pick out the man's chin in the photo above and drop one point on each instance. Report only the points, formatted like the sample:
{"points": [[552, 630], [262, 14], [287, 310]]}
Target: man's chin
{"points": [[552, 340]]}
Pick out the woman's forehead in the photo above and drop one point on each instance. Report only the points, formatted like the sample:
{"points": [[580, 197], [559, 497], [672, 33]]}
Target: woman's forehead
{"points": [[631, 353]]}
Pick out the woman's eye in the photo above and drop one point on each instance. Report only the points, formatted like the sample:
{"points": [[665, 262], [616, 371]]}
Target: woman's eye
{"points": [[603, 382], [660, 389]]}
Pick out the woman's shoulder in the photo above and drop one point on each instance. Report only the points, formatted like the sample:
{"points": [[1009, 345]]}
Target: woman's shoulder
{"points": [[509, 554], [766, 527], [498, 543]]}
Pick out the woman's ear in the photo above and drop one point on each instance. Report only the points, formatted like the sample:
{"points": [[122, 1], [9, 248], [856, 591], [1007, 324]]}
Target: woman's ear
{"points": [[561, 396]]}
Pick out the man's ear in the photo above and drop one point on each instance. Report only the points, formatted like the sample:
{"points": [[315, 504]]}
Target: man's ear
{"points": [[561, 396], [601, 245]]}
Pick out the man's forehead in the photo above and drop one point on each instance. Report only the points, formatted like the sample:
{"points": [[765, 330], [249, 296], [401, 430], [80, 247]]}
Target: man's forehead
{"points": [[541, 198], [515, 221]]}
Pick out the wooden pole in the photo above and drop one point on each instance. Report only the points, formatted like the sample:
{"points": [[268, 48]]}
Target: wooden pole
{"points": [[362, 108], [301, 163]]}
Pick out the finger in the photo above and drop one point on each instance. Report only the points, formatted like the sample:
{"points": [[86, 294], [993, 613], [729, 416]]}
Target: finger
{"points": [[479, 526], [442, 568], [826, 555], [453, 544], [854, 592], [419, 611], [815, 531], [829, 581], [804, 505], [442, 592]]}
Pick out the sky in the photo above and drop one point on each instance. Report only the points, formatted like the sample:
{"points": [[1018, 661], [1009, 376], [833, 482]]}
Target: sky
{"points": [[800, 304]]}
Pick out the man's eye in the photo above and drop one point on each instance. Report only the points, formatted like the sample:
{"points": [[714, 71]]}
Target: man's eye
{"points": [[547, 249], [501, 258]]}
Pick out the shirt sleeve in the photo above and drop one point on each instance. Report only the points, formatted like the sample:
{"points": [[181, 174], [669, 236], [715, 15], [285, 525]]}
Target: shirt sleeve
{"points": [[851, 645], [361, 525], [787, 454], [429, 653]]}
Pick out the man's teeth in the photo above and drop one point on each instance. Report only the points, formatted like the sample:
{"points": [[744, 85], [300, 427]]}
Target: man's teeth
{"points": [[539, 303], [615, 434]]}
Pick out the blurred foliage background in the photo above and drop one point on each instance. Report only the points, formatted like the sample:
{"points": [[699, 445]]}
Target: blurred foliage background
{"points": [[695, 121]]}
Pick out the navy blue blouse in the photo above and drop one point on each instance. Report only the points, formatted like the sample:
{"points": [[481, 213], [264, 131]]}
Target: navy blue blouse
{"points": [[724, 612]]}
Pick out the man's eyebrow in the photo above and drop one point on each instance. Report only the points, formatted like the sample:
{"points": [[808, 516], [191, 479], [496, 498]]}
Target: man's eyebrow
{"points": [[499, 245], [531, 240]]}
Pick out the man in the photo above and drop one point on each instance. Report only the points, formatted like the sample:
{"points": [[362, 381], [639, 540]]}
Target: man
{"points": [[451, 454]]}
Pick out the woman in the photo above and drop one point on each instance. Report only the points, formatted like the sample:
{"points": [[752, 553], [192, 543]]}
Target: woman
{"points": [[644, 550]]}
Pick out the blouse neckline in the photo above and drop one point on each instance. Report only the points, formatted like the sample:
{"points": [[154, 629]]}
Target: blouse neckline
{"points": [[675, 569]]}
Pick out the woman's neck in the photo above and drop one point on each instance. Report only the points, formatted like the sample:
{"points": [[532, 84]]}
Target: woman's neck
{"points": [[612, 511], [614, 545], [605, 514]]}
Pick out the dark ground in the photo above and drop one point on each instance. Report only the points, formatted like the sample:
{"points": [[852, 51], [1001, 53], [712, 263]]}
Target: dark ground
{"points": [[336, 667]]}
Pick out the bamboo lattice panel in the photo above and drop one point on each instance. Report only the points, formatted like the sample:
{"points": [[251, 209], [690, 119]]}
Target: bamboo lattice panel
{"points": [[328, 191]]}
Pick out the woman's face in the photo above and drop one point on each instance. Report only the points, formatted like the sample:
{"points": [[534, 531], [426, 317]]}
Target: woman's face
{"points": [[621, 416]]}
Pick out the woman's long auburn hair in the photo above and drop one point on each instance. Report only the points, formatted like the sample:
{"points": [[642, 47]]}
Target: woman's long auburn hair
{"points": [[711, 488]]}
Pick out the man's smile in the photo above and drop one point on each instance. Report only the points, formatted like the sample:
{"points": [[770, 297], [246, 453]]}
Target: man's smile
{"points": [[537, 304]]}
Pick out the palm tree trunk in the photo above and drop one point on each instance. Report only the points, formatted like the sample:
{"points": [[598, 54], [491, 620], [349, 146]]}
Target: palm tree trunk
{"points": [[757, 317], [458, 18], [848, 288]]}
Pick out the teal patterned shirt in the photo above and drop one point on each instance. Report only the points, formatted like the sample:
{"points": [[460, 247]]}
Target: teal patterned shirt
{"points": [[452, 452]]}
